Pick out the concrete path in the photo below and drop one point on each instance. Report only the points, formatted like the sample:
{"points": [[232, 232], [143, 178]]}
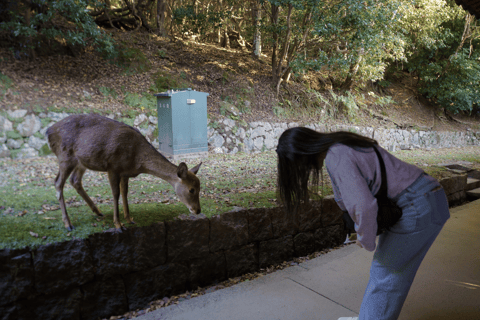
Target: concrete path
{"points": [[447, 285]]}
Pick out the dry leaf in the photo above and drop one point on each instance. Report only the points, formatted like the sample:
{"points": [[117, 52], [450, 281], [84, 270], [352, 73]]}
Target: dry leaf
{"points": [[50, 218], [33, 234]]}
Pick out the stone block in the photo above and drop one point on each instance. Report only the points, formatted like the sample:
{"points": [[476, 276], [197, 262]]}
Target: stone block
{"points": [[329, 237], [241, 261], [61, 265], [16, 275], [228, 230], [207, 270], [331, 212], [454, 184], [311, 218], [304, 244], [103, 297], [132, 250], [282, 222], [145, 286], [259, 225], [187, 239], [275, 251], [8, 312], [456, 198], [58, 306]]}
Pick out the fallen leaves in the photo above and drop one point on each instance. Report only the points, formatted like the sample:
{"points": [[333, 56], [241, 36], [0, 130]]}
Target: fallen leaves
{"points": [[33, 234]]}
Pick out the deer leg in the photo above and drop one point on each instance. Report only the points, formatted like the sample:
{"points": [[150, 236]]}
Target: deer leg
{"points": [[124, 192], [115, 185], [76, 182], [62, 176]]}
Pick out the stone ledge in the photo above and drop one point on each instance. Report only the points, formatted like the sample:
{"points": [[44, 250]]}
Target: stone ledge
{"points": [[118, 272]]}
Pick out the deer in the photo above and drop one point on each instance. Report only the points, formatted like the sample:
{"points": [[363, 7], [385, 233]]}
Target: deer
{"points": [[98, 143]]}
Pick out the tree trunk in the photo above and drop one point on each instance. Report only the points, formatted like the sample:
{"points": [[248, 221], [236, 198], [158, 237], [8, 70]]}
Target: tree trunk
{"points": [[161, 18], [257, 34], [349, 80], [274, 22]]}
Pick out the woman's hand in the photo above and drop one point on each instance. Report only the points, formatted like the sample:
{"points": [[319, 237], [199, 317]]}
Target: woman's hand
{"points": [[358, 244]]}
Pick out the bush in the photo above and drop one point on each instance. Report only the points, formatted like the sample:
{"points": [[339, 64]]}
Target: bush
{"points": [[36, 24]]}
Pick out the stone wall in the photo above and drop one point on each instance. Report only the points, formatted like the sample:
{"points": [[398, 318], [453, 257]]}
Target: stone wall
{"points": [[25, 137], [111, 273]]}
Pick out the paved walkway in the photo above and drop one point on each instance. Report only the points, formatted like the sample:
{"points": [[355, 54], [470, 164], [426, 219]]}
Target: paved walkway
{"points": [[447, 285]]}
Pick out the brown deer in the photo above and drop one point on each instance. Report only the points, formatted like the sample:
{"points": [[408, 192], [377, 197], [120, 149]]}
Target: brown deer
{"points": [[98, 143]]}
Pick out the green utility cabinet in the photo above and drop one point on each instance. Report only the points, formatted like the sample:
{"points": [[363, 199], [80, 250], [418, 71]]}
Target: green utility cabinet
{"points": [[182, 123]]}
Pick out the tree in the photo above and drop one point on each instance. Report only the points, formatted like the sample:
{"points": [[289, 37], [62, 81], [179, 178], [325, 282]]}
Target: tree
{"points": [[291, 22], [30, 25], [441, 45]]}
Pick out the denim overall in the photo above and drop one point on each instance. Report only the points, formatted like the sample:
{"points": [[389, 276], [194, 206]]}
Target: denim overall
{"points": [[401, 249]]}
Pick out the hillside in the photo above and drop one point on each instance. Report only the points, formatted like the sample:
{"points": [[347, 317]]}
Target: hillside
{"points": [[83, 81]]}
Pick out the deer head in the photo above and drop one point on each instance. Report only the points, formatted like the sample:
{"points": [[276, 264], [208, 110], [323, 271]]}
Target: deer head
{"points": [[187, 187]]}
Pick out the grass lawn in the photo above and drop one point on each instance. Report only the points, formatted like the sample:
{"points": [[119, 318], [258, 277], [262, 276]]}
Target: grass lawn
{"points": [[30, 214]]}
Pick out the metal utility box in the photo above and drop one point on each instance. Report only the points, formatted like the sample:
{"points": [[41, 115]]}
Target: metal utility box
{"points": [[182, 123]]}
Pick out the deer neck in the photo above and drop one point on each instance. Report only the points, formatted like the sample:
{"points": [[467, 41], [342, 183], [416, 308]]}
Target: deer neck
{"points": [[156, 164]]}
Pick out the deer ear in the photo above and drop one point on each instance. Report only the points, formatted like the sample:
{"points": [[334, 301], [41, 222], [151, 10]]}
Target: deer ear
{"points": [[194, 170], [182, 170]]}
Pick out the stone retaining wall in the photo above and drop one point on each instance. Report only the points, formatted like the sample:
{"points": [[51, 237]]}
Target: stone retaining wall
{"points": [[25, 137], [111, 273]]}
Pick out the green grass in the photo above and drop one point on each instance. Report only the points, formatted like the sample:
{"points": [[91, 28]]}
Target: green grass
{"points": [[241, 180]]}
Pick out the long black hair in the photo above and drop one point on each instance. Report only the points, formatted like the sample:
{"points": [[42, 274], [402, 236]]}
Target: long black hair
{"points": [[298, 153]]}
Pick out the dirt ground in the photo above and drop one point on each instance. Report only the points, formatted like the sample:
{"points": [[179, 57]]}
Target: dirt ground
{"points": [[65, 82]]}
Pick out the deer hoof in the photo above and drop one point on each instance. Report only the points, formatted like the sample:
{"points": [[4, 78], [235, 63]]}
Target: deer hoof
{"points": [[70, 228]]}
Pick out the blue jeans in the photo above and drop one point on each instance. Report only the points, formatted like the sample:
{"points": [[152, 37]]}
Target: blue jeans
{"points": [[401, 249]]}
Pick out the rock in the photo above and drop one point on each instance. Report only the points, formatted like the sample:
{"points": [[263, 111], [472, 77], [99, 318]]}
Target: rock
{"points": [[141, 118], [148, 132], [275, 251], [17, 113], [61, 305], [208, 269], [36, 143], [5, 124], [55, 116], [228, 230], [61, 265], [132, 250], [153, 120], [17, 284], [187, 239], [242, 261], [103, 297], [26, 152], [29, 126], [229, 108], [259, 225], [154, 284], [4, 151], [304, 244], [216, 140], [14, 144]]}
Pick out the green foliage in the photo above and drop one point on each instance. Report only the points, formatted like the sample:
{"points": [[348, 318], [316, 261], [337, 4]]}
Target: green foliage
{"points": [[449, 72], [190, 20], [13, 135], [43, 25], [131, 60], [145, 101], [108, 92], [163, 82]]}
